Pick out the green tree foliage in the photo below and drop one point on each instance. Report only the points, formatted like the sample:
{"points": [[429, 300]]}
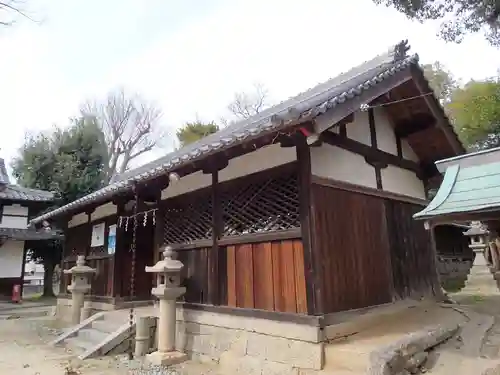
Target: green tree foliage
{"points": [[194, 131], [475, 111], [459, 17], [71, 163], [441, 81]]}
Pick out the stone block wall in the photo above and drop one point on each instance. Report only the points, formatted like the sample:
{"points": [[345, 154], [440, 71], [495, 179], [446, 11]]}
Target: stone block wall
{"points": [[249, 345], [453, 271]]}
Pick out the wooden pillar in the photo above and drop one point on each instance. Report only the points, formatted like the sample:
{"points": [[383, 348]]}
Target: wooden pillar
{"points": [[213, 285], [494, 255], [213, 167], [64, 252], [159, 228], [23, 263], [89, 237], [312, 268], [435, 277], [117, 256]]}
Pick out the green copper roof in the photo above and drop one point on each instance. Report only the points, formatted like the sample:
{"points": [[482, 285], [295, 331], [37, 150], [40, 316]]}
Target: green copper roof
{"points": [[465, 189]]}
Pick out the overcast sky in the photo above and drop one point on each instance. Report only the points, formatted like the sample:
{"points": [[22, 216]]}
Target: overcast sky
{"points": [[190, 56]]}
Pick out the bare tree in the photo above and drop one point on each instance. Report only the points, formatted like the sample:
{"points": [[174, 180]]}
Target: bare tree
{"points": [[245, 105], [130, 124], [11, 8]]}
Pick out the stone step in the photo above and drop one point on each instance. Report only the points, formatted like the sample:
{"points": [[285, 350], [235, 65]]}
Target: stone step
{"points": [[78, 344], [107, 325], [92, 335]]}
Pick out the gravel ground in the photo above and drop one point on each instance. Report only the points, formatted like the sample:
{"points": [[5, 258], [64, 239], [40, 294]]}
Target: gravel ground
{"points": [[24, 350]]}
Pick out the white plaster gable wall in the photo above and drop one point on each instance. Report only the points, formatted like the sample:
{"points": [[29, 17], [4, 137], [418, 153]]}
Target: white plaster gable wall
{"points": [[78, 219], [408, 152], [342, 165], [259, 160], [104, 210], [358, 129], [11, 258], [14, 216], [386, 139], [402, 181], [335, 163], [191, 182]]}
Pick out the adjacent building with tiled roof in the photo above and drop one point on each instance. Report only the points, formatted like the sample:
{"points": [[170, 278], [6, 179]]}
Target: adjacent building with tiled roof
{"points": [[17, 206]]}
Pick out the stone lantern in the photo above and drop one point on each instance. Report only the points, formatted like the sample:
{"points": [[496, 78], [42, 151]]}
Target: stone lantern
{"points": [[168, 289], [80, 284], [480, 279]]}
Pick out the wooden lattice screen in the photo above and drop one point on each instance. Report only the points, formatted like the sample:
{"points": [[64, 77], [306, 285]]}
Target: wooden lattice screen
{"points": [[250, 205], [261, 206], [189, 219]]}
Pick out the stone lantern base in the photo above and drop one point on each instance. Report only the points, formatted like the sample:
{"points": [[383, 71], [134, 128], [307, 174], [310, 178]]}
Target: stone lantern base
{"points": [[166, 358], [480, 279]]}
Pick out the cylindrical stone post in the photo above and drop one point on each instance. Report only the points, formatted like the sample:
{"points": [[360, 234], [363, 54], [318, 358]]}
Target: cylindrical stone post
{"points": [[142, 336], [77, 300], [167, 325]]}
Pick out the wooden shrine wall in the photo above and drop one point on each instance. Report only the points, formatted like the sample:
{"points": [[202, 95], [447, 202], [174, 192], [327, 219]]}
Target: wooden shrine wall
{"points": [[259, 256], [77, 242], [267, 276], [412, 257], [263, 275], [369, 249]]}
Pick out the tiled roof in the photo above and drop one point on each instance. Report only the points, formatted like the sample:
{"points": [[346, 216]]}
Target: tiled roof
{"points": [[293, 111], [465, 190], [29, 234], [15, 192]]}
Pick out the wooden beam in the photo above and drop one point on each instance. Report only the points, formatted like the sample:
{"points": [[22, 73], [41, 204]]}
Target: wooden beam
{"points": [[436, 109], [312, 268], [399, 145], [378, 166], [343, 130], [373, 129], [369, 152], [368, 191], [214, 164], [405, 129], [350, 106]]}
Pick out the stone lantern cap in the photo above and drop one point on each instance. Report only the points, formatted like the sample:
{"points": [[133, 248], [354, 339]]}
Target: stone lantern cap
{"points": [[167, 265], [80, 268], [476, 229]]}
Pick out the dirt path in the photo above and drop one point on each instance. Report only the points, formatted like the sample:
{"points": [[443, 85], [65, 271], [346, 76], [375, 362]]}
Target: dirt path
{"points": [[24, 350]]}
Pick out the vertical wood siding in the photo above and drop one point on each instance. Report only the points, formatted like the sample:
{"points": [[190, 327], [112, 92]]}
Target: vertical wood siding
{"points": [[370, 248], [102, 282], [351, 243], [412, 257], [267, 276], [194, 274]]}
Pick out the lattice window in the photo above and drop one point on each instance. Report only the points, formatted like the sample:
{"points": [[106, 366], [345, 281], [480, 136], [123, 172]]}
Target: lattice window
{"points": [[268, 205], [188, 219]]}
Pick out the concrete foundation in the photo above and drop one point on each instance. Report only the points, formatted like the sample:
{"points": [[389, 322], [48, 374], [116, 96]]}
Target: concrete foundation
{"points": [[254, 345]]}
